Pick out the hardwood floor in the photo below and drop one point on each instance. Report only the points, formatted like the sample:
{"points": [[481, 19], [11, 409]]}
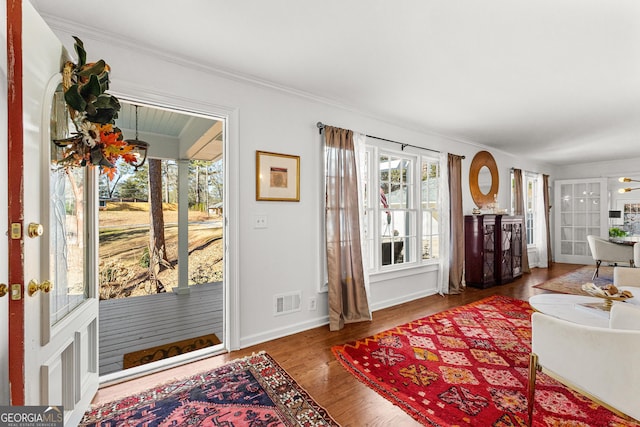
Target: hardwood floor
{"points": [[307, 356]]}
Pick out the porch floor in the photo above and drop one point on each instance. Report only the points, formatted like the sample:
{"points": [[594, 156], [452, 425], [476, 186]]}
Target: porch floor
{"points": [[137, 323]]}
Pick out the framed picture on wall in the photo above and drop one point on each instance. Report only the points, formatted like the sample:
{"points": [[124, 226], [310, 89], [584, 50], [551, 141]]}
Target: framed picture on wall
{"points": [[277, 177]]}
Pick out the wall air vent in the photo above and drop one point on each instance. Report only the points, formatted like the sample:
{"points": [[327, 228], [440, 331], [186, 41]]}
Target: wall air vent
{"points": [[287, 303]]}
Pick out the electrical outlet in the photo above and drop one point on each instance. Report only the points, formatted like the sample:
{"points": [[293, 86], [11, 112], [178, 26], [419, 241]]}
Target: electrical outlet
{"points": [[313, 304], [259, 221]]}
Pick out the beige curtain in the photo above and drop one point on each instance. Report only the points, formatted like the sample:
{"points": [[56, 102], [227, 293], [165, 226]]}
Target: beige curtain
{"points": [[456, 237], [348, 300], [518, 194], [547, 211]]}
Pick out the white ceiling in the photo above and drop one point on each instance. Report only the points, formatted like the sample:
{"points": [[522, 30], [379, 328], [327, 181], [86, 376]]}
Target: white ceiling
{"points": [[556, 81]]}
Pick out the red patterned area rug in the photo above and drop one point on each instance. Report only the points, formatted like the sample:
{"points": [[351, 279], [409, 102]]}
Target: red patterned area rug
{"points": [[468, 366], [571, 282], [254, 391]]}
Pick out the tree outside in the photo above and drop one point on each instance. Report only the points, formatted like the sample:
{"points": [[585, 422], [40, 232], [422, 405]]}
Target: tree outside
{"points": [[138, 252]]}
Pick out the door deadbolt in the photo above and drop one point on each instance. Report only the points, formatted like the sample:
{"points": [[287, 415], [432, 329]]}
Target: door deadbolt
{"points": [[35, 230], [35, 287], [3, 289]]}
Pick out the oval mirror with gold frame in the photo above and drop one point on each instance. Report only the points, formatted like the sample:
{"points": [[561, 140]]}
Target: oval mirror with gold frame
{"points": [[483, 179]]}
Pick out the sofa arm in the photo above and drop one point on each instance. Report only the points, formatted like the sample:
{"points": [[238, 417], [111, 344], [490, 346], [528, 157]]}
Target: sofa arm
{"points": [[625, 276], [624, 316], [604, 362]]}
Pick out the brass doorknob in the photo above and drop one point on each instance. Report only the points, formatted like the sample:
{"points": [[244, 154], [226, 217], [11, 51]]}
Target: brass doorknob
{"points": [[34, 287], [35, 230], [3, 289]]}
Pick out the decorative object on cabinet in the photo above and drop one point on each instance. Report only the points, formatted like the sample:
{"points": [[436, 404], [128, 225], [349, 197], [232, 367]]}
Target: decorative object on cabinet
{"points": [[493, 249], [277, 177], [483, 167]]}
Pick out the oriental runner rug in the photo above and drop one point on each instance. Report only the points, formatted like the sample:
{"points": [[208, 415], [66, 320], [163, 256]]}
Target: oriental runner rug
{"points": [[253, 391], [468, 366], [571, 282]]}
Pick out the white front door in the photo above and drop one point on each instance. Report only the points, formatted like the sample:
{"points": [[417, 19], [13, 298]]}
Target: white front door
{"points": [[61, 323], [581, 210]]}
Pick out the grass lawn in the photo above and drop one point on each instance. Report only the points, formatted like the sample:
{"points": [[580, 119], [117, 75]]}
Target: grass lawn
{"points": [[124, 242]]}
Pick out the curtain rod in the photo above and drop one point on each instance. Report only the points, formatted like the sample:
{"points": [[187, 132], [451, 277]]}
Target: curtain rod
{"points": [[322, 125], [524, 170]]}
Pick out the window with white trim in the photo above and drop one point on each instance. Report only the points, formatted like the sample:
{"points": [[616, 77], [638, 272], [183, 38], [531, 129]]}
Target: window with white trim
{"points": [[401, 201], [530, 193], [530, 207]]}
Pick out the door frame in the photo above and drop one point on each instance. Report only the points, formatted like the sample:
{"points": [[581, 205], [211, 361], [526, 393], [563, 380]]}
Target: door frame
{"points": [[15, 171], [231, 203]]}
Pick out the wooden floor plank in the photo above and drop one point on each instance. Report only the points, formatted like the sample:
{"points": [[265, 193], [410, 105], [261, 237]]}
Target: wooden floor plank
{"points": [[138, 323]]}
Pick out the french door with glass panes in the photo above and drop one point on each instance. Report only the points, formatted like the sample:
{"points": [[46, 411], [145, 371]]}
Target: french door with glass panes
{"points": [[581, 210]]}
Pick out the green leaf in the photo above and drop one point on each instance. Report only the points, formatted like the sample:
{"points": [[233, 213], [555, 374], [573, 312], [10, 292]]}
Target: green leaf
{"points": [[101, 115], [96, 68], [91, 89], [82, 54], [104, 80], [114, 103], [103, 101], [74, 99]]}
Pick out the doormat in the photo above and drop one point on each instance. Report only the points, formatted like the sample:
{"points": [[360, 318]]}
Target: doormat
{"points": [[468, 366], [252, 391], [571, 282], [141, 357]]}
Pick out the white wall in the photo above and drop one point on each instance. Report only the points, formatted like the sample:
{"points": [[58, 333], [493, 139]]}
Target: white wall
{"points": [[4, 310], [285, 256]]}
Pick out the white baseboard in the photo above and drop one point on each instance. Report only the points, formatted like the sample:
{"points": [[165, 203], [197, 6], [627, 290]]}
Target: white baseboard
{"points": [[273, 334], [401, 300]]}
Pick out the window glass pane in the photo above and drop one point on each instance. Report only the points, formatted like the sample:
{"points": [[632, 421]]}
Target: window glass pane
{"points": [[68, 266], [430, 188], [67, 212], [581, 248], [407, 191]]}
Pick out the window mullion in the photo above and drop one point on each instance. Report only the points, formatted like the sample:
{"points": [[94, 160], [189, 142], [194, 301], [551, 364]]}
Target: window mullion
{"points": [[419, 215]]}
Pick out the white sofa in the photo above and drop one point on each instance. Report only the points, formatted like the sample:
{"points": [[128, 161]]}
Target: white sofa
{"points": [[625, 276], [602, 363]]}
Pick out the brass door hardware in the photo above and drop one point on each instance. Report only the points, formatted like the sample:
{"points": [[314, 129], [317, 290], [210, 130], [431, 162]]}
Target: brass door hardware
{"points": [[16, 292], [3, 290], [35, 287], [35, 230], [16, 230]]}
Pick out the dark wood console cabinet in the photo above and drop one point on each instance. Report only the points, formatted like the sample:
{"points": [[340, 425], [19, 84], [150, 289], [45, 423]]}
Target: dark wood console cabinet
{"points": [[493, 249]]}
